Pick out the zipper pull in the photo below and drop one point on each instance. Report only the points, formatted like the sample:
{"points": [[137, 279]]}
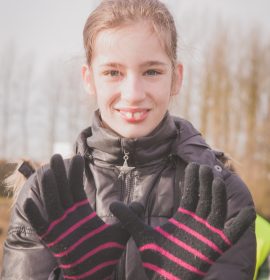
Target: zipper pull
{"points": [[124, 169]]}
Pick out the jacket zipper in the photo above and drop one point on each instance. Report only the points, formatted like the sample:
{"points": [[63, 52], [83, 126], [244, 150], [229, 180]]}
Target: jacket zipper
{"points": [[126, 174], [124, 168], [129, 186]]}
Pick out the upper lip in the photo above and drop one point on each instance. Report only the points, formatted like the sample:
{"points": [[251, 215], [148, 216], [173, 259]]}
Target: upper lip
{"points": [[131, 110]]}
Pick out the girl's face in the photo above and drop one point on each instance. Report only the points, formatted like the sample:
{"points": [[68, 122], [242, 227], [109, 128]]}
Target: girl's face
{"points": [[132, 78]]}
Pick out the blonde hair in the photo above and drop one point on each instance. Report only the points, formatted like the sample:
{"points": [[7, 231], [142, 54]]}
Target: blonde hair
{"points": [[17, 179], [226, 160], [112, 14]]}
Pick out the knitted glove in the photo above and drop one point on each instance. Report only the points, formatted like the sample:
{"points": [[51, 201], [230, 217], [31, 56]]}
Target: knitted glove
{"points": [[84, 246], [189, 243]]}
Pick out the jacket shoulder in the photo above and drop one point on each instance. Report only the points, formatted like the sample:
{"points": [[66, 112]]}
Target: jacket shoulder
{"points": [[191, 147], [22, 246]]}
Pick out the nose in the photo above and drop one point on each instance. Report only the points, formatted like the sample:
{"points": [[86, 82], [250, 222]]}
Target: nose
{"points": [[132, 90]]}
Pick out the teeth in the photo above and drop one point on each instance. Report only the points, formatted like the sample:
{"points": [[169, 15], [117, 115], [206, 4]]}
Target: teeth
{"points": [[129, 115], [133, 115], [137, 115]]}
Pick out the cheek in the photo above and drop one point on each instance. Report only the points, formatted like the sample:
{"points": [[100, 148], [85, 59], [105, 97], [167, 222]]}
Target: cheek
{"points": [[164, 101], [106, 96], [98, 81], [162, 94], [102, 90]]}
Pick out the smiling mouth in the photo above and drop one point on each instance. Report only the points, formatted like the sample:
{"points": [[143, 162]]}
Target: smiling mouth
{"points": [[133, 115]]}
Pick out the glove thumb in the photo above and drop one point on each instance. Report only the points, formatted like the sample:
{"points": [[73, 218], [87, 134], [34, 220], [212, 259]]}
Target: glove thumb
{"points": [[128, 217], [34, 216], [240, 224]]}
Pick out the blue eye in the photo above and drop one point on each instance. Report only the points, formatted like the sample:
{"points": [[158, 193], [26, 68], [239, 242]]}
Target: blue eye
{"points": [[114, 73], [152, 72]]}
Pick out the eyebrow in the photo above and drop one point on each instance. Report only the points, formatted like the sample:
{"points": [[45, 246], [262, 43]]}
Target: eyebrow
{"points": [[154, 63], [145, 64]]}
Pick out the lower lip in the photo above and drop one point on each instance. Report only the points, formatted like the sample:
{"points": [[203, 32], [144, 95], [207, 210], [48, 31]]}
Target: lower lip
{"points": [[142, 117]]}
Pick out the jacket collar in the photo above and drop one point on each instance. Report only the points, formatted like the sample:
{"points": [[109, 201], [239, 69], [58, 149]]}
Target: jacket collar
{"points": [[173, 136], [105, 145]]}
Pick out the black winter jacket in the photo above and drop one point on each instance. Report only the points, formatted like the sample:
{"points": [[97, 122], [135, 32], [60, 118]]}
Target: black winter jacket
{"points": [[157, 164]]}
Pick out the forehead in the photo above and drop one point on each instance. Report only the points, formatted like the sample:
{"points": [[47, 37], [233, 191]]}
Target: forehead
{"points": [[135, 43]]}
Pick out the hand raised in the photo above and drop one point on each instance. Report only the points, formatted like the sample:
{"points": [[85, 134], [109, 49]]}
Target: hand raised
{"points": [[190, 242], [84, 246]]}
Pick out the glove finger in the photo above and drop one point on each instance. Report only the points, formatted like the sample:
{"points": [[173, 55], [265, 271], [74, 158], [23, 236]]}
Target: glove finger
{"points": [[129, 220], [205, 191], [191, 184], [137, 208], [240, 224], [36, 220], [58, 168], [75, 177], [218, 213], [51, 196]]}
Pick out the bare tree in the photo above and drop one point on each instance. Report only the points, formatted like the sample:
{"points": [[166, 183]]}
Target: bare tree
{"points": [[77, 106], [7, 59], [51, 91], [217, 91], [26, 77]]}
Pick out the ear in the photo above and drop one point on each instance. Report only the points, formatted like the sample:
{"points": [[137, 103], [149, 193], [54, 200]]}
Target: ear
{"points": [[177, 79], [87, 76]]}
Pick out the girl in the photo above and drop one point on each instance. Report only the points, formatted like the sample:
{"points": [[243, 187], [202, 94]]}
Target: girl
{"points": [[134, 151]]}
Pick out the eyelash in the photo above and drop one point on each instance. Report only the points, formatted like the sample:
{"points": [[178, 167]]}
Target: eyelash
{"points": [[117, 73], [110, 73], [153, 72]]}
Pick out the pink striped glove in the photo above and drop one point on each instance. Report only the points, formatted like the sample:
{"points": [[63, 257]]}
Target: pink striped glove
{"points": [[190, 242], [84, 246]]}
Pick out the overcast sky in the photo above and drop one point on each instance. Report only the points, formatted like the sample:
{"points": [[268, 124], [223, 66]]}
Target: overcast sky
{"points": [[52, 27]]}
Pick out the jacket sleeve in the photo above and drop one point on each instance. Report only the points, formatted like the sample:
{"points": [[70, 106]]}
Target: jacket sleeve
{"points": [[25, 257], [239, 261]]}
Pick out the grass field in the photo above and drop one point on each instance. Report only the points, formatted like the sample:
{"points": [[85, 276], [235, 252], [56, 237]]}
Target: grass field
{"points": [[5, 204]]}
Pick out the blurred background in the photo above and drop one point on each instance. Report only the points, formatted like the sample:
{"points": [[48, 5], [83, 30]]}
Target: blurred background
{"points": [[224, 46]]}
